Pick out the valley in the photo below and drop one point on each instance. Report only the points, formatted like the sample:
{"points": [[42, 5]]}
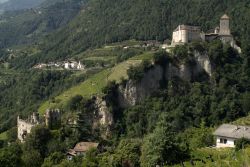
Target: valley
{"points": [[124, 83]]}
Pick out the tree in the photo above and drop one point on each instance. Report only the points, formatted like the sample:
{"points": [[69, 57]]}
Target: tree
{"points": [[90, 159], [11, 156], [241, 143], [161, 147], [75, 102], [53, 159], [37, 140], [32, 158], [12, 134]]}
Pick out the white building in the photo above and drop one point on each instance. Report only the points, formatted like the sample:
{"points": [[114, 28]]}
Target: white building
{"points": [[67, 65], [73, 65], [185, 34], [227, 134], [80, 66]]}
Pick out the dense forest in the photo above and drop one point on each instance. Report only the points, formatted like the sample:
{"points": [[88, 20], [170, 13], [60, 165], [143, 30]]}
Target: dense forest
{"points": [[169, 128], [28, 26]]}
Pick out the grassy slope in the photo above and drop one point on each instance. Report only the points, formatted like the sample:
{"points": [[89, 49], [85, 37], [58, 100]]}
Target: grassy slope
{"points": [[243, 121], [3, 136], [224, 157], [95, 83]]}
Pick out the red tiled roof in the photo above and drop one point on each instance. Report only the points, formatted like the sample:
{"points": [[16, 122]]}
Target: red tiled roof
{"points": [[84, 146]]}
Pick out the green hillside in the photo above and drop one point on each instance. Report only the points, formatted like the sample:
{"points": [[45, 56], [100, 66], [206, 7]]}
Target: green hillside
{"points": [[143, 20], [95, 84], [28, 26]]}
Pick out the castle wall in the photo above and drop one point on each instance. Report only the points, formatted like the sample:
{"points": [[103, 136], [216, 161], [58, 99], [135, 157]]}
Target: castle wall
{"points": [[23, 128], [185, 34], [52, 117], [224, 27]]}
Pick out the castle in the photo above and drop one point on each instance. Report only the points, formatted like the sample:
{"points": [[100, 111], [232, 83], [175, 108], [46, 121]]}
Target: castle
{"points": [[52, 119], [24, 126], [186, 34]]}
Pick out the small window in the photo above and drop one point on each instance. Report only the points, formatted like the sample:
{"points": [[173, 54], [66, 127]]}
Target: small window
{"points": [[224, 141], [221, 140]]}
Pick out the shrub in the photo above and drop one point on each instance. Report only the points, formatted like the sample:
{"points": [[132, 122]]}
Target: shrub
{"points": [[136, 73], [241, 143]]}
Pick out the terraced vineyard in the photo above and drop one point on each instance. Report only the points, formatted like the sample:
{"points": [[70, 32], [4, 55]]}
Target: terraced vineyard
{"points": [[95, 83]]}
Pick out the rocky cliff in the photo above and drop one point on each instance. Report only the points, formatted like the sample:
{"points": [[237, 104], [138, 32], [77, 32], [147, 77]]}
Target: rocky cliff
{"points": [[135, 91], [104, 118]]}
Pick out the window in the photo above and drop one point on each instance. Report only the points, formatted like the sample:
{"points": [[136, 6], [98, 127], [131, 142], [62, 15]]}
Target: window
{"points": [[224, 141]]}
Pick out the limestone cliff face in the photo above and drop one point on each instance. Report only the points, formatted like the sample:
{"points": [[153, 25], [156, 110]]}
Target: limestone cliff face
{"points": [[104, 118], [134, 92], [203, 62]]}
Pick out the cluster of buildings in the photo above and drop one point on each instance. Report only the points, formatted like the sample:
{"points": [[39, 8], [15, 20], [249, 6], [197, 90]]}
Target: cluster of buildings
{"points": [[68, 65], [185, 34]]}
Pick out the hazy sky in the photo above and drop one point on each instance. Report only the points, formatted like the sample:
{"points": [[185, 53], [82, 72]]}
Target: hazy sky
{"points": [[1, 1]]}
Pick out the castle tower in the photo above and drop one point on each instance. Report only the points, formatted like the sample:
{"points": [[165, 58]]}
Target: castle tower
{"points": [[52, 118], [224, 25], [35, 118]]}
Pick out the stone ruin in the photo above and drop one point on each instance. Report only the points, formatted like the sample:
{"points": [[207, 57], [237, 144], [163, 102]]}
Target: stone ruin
{"points": [[24, 126], [52, 120]]}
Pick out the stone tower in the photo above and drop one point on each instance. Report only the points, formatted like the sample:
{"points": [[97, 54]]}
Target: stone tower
{"points": [[224, 25], [52, 118]]}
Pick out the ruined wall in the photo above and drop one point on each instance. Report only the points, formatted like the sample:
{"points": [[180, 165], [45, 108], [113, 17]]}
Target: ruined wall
{"points": [[23, 128], [52, 118]]}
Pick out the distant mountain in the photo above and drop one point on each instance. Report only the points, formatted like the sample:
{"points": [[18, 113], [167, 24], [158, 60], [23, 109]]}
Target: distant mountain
{"points": [[7, 5], [27, 26]]}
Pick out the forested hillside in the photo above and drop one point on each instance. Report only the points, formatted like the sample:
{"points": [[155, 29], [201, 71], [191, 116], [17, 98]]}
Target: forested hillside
{"points": [[31, 25], [109, 21], [96, 25]]}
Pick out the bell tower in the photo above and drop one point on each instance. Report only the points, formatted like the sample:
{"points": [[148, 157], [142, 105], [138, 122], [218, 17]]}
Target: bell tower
{"points": [[224, 25]]}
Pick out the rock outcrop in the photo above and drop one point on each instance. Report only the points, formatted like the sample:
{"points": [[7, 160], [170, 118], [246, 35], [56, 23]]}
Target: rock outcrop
{"points": [[135, 91], [104, 118], [203, 62]]}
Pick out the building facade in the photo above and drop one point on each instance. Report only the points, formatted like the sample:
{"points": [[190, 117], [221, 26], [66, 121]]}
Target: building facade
{"points": [[227, 134], [185, 34]]}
